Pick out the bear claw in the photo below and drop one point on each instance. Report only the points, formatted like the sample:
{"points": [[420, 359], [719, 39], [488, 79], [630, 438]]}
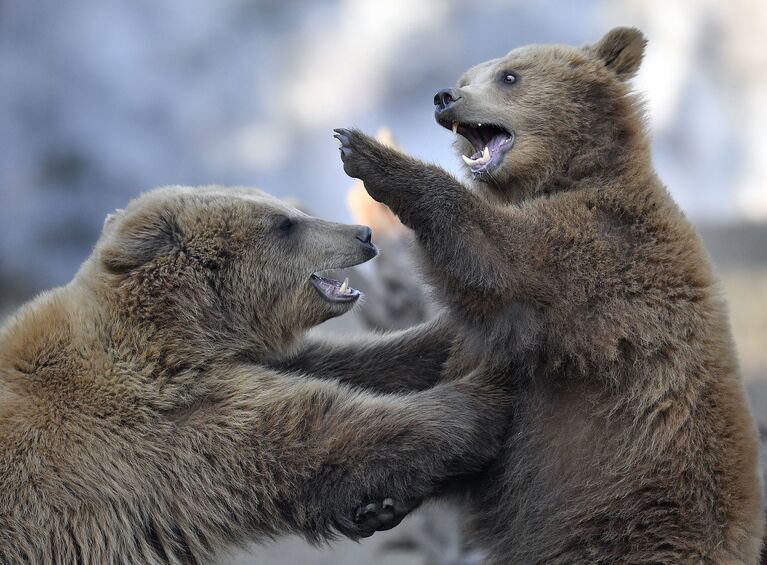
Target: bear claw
{"points": [[377, 516], [342, 135], [353, 151]]}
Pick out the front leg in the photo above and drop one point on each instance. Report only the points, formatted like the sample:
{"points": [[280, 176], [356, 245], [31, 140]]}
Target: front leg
{"points": [[382, 456], [401, 361], [461, 236], [268, 455], [414, 190]]}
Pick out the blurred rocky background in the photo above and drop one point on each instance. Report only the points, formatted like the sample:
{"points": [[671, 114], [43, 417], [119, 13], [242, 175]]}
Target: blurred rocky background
{"points": [[101, 99]]}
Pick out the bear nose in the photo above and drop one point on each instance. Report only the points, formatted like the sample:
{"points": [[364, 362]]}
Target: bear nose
{"points": [[364, 234], [446, 98]]}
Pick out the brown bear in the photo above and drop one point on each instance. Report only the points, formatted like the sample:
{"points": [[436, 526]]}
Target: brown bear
{"points": [[139, 422], [568, 270]]}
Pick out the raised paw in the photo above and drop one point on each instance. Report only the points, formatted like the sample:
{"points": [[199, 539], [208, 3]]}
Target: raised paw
{"points": [[359, 153]]}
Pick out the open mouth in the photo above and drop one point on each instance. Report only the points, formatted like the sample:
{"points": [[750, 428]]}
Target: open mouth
{"points": [[334, 291], [490, 143]]}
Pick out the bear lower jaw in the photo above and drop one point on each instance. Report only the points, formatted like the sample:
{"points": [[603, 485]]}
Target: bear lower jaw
{"points": [[334, 291], [490, 142], [491, 156]]}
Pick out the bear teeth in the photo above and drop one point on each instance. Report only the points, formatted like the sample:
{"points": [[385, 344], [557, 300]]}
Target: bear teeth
{"points": [[483, 159], [344, 286], [455, 127]]}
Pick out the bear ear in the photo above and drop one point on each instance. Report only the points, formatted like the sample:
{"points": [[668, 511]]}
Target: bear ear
{"points": [[138, 239], [621, 51]]}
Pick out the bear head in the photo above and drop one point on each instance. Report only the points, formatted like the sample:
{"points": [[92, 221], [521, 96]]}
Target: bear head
{"points": [[545, 115], [236, 267]]}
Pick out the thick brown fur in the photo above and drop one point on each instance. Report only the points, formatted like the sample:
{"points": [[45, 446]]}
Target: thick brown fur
{"points": [[139, 422], [570, 270]]}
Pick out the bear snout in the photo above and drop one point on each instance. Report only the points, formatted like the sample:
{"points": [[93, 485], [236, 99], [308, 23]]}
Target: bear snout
{"points": [[445, 98]]}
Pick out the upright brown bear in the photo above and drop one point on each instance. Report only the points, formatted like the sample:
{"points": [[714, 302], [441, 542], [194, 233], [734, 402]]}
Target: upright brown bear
{"points": [[140, 424], [567, 268]]}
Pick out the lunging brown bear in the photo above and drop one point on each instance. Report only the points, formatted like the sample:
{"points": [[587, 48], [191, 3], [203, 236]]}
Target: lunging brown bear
{"points": [[139, 422], [568, 270]]}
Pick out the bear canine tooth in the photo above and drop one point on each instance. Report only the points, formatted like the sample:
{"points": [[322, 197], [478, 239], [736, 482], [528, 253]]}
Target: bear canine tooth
{"points": [[467, 160], [345, 286], [485, 154], [455, 127]]}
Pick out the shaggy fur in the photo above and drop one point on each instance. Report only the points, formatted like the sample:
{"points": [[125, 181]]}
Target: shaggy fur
{"points": [[570, 271], [139, 422]]}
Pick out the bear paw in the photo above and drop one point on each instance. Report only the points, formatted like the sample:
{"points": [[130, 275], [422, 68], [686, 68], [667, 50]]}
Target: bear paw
{"points": [[375, 515], [359, 153]]}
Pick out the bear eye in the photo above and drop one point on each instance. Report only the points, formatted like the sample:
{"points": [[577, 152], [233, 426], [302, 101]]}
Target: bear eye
{"points": [[285, 225], [509, 77]]}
